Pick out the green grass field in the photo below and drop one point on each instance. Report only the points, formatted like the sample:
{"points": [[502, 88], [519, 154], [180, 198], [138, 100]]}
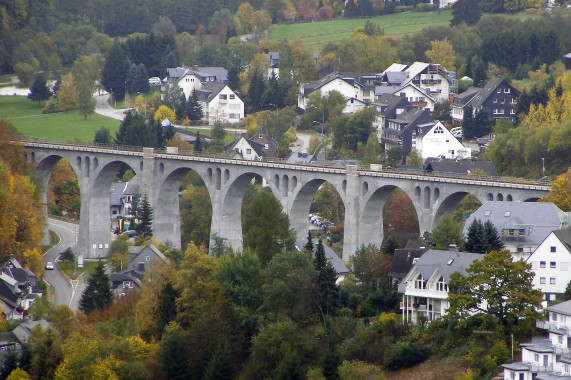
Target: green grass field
{"points": [[397, 24], [28, 119], [88, 266]]}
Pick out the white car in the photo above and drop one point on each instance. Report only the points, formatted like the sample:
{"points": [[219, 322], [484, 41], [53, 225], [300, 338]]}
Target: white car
{"points": [[50, 265]]}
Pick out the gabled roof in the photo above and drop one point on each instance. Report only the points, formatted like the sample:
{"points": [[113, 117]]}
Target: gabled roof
{"points": [[308, 88], [447, 262], [416, 68], [461, 100], [219, 74], [209, 91], [538, 219], [258, 148], [117, 189], [403, 260], [560, 308], [395, 67], [300, 158], [442, 165], [410, 117], [422, 91], [330, 255], [564, 236], [488, 90]]}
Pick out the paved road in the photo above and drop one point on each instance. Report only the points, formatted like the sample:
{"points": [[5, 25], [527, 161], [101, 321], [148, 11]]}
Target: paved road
{"points": [[61, 288]]}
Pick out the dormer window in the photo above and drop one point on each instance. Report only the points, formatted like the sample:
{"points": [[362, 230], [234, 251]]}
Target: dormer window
{"points": [[419, 283], [261, 136], [441, 285]]}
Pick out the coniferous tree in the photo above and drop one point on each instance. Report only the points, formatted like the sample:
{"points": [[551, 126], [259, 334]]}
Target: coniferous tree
{"points": [[197, 143], [326, 287], [221, 365], [39, 90], [141, 80], [468, 123], [255, 99], [130, 79], [145, 215], [167, 305], [491, 238], [98, 294], [309, 244], [474, 240], [567, 294], [193, 109], [115, 70], [467, 11]]}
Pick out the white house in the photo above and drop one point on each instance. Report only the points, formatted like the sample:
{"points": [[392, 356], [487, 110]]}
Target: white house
{"points": [[220, 104], [434, 140], [522, 226], [193, 78], [417, 96], [353, 105], [546, 358], [346, 86], [551, 262], [425, 287]]}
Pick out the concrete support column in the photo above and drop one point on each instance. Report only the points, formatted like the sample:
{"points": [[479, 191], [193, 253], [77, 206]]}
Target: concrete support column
{"points": [[45, 228], [216, 222], [351, 199], [166, 224], [226, 217]]}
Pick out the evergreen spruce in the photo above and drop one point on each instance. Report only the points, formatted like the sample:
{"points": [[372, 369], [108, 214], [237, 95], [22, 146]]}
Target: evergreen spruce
{"points": [[331, 362], [221, 365], [193, 109], [492, 241], [197, 143], [255, 98], [115, 70], [309, 245], [39, 90], [327, 291], [167, 305], [98, 294], [475, 238], [567, 294], [145, 215]]}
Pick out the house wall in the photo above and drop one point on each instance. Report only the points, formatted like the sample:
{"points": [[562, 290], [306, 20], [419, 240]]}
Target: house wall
{"points": [[188, 83], [502, 102], [353, 106], [457, 113], [440, 142], [224, 110], [416, 97], [246, 150], [337, 84], [552, 269], [437, 84]]}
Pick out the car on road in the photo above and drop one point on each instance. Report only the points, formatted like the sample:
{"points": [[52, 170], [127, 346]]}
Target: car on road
{"points": [[482, 141], [50, 265]]}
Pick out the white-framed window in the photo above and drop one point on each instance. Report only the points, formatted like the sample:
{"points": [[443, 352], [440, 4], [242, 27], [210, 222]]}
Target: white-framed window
{"points": [[441, 285], [552, 264], [223, 96], [542, 264], [248, 151], [552, 280], [499, 91], [127, 284], [419, 283], [503, 100], [553, 249], [234, 115], [507, 90], [495, 100], [542, 280], [148, 258], [512, 112], [232, 96]]}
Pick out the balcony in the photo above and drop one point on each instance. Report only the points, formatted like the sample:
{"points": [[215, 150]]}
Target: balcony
{"points": [[541, 368]]}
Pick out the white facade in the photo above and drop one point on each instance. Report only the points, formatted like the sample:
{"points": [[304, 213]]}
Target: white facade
{"points": [[188, 83], [417, 97], [437, 84], [337, 84], [438, 142], [551, 263], [546, 356], [427, 297], [353, 105], [245, 149], [225, 107]]}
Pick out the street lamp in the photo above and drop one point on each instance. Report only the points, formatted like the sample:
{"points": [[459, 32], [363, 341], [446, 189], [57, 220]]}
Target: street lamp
{"points": [[317, 122], [543, 166]]}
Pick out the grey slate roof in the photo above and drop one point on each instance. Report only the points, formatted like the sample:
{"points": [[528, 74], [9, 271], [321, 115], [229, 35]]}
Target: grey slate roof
{"points": [[258, 148], [564, 235], [308, 88], [330, 254], [390, 102], [488, 90], [539, 218], [552, 376], [219, 73], [465, 97], [438, 259], [560, 308], [209, 90], [300, 158], [458, 166], [402, 261], [116, 193]]}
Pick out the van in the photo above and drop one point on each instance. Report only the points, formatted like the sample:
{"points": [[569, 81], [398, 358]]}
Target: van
{"points": [[155, 81]]}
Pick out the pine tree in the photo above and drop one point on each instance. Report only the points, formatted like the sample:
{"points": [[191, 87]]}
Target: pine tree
{"points": [[475, 239], [468, 123], [98, 294], [309, 245], [145, 215], [39, 90], [115, 71], [256, 91], [327, 291], [491, 238], [167, 305], [221, 365], [197, 143], [193, 109], [567, 294]]}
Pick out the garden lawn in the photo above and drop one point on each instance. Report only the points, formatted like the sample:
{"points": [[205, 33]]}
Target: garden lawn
{"points": [[28, 119], [88, 266]]}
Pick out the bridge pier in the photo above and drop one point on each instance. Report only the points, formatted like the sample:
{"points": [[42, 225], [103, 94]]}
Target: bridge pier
{"points": [[351, 199]]}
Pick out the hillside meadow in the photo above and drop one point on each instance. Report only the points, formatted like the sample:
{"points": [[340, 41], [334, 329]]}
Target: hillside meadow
{"points": [[28, 119]]}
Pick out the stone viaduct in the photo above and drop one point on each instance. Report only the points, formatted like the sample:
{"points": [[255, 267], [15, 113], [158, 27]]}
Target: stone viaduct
{"points": [[364, 192]]}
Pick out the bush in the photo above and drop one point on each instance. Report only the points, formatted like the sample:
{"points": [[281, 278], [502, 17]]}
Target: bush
{"points": [[404, 8], [405, 355], [389, 8], [423, 7], [51, 107]]}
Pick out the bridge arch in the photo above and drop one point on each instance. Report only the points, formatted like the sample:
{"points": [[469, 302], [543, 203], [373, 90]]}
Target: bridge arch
{"points": [[227, 222], [302, 196], [449, 205], [167, 225]]}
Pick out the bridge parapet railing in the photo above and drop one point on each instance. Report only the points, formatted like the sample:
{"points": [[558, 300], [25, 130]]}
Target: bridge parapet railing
{"points": [[318, 166]]}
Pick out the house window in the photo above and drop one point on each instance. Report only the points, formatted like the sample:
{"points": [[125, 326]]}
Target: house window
{"points": [[261, 136], [503, 101], [553, 249], [223, 96], [248, 151], [148, 258], [234, 106], [536, 357], [552, 264], [542, 280], [441, 285], [127, 284], [506, 90], [495, 100], [560, 339], [419, 283], [512, 112], [552, 280], [499, 91], [542, 264], [232, 96], [487, 213]]}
